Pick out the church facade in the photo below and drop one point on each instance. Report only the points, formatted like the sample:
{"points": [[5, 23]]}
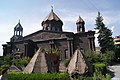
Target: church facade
{"points": [[51, 36]]}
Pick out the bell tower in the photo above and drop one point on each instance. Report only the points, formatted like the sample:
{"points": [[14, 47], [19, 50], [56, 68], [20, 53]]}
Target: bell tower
{"points": [[80, 25], [18, 32]]}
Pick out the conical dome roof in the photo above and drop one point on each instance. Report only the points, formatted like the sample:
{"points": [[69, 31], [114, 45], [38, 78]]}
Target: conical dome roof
{"points": [[80, 20], [51, 16], [18, 27]]}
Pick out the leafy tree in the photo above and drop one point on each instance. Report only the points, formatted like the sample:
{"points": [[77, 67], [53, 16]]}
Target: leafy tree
{"points": [[105, 39]]}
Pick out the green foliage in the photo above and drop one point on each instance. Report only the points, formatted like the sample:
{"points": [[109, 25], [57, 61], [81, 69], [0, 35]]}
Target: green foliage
{"points": [[117, 51], [101, 77], [108, 77], [100, 68], [38, 76], [84, 78], [1, 61], [53, 76], [91, 56], [52, 50], [100, 72], [22, 62], [4, 67], [105, 35], [108, 56], [94, 77], [5, 62], [94, 57], [8, 59], [66, 62]]}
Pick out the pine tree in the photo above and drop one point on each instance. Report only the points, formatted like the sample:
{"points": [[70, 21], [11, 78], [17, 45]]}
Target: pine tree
{"points": [[105, 39]]}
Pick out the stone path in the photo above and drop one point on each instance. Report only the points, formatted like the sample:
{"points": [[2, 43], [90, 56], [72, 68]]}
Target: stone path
{"points": [[115, 71]]}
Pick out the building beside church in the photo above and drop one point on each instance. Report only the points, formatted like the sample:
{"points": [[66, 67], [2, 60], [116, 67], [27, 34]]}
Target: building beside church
{"points": [[52, 35], [117, 40]]}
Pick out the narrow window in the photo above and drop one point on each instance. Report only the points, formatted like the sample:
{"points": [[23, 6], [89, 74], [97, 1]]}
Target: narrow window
{"points": [[66, 54]]}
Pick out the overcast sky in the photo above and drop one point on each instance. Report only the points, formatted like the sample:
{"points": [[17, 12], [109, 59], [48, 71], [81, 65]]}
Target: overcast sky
{"points": [[32, 12]]}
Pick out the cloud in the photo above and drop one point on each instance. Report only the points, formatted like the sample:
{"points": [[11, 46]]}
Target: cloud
{"points": [[32, 22], [72, 16], [112, 28]]}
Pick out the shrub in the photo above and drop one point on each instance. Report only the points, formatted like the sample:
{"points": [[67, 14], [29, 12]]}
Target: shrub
{"points": [[108, 77], [22, 61], [101, 77], [38, 76], [109, 56], [84, 78], [99, 68], [94, 57]]}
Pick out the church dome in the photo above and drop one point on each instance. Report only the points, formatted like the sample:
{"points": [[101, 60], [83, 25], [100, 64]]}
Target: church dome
{"points": [[18, 27], [52, 22], [80, 20], [51, 16]]}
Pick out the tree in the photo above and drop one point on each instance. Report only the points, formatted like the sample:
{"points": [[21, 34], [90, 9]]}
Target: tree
{"points": [[105, 39]]}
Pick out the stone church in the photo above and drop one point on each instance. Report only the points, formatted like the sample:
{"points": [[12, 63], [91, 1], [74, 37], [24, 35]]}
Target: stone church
{"points": [[52, 35]]}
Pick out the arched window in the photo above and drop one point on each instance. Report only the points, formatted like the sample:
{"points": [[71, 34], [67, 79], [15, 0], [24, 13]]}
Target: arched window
{"points": [[66, 54]]}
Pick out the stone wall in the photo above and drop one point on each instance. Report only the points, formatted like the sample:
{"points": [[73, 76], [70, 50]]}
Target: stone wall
{"points": [[42, 39], [82, 41]]}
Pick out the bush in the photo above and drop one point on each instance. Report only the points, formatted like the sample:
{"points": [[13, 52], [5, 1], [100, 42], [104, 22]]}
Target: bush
{"points": [[109, 56], [22, 61], [101, 77], [84, 78], [94, 57], [38, 76], [100, 68]]}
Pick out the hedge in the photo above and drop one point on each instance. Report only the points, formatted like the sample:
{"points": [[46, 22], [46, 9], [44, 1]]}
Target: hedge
{"points": [[38, 76]]}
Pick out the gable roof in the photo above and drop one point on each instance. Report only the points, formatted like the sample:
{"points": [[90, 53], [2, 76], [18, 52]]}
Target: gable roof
{"points": [[40, 31]]}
